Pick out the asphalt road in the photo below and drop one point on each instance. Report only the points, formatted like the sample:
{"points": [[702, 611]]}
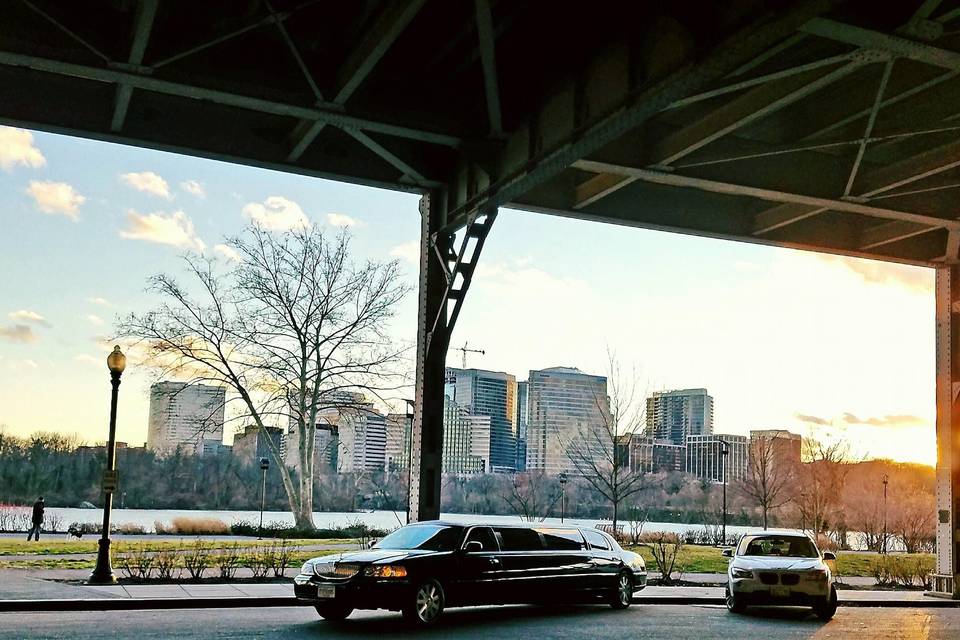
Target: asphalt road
{"points": [[593, 623]]}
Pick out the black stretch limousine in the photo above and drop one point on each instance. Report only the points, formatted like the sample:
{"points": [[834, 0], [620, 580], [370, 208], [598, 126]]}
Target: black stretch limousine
{"points": [[422, 568]]}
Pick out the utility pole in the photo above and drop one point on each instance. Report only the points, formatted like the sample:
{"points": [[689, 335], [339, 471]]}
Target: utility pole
{"points": [[724, 450], [464, 350], [886, 479]]}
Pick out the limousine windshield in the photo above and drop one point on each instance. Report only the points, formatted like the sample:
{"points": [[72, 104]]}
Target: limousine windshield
{"points": [[428, 537]]}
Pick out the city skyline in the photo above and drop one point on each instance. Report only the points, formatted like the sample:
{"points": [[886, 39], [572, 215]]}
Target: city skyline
{"points": [[786, 339]]}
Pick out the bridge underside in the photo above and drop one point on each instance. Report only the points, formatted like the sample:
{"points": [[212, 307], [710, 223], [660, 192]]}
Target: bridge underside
{"points": [[823, 125]]}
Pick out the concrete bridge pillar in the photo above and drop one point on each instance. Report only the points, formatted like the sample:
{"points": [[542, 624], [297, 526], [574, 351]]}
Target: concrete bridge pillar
{"points": [[946, 580]]}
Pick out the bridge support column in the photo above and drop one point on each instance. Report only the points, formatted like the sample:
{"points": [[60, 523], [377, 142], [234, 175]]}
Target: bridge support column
{"points": [[946, 580], [433, 337]]}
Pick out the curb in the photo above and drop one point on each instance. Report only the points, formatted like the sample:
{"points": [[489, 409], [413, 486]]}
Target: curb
{"points": [[132, 604], [129, 604]]}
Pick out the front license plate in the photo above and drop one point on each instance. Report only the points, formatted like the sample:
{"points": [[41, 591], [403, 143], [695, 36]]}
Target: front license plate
{"points": [[780, 592], [326, 591]]}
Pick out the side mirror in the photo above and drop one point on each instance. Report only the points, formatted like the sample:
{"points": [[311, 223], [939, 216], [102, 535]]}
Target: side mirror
{"points": [[829, 555], [474, 546], [728, 553]]}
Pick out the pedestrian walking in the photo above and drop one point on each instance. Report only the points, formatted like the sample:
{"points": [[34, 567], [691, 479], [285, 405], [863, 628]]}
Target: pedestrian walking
{"points": [[38, 507]]}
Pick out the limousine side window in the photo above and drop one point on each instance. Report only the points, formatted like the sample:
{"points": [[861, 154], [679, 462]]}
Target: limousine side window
{"points": [[596, 539], [516, 539], [562, 539], [483, 535]]}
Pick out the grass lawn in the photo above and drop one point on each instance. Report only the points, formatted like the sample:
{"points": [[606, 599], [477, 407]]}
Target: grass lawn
{"points": [[296, 559], [18, 547], [698, 559]]}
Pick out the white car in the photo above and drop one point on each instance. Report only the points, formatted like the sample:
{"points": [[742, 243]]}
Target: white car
{"points": [[780, 569]]}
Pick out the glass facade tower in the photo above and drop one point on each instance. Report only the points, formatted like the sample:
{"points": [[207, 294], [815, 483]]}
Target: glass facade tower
{"points": [[493, 394]]}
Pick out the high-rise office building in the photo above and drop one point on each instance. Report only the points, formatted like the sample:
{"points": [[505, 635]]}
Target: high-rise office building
{"points": [[568, 417], [522, 418], [363, 440], [466, 440], [399, 428], [185, 417], [674, 415], [493, 394], [326, 447], [251, 444], [648, 455], [706, 461], [779, 449]]}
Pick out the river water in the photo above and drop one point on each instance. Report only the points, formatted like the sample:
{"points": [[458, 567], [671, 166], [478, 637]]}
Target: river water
{"points": [[379, 519]]}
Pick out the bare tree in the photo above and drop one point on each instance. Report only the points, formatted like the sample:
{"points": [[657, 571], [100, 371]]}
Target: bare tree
{"points": [[821, 477], [294, 331], [915, 521], [600, 449], [769, 477], [532, 495]]}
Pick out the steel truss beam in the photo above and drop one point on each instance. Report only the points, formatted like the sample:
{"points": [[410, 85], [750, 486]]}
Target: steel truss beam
{"points": [[143, 25], [359, 64], [894, 45], [713, 186], [597, 106], [137, 81]]}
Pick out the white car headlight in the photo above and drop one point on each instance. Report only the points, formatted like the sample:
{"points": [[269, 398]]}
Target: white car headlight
{"points": [[817, 575], [737, 572]]}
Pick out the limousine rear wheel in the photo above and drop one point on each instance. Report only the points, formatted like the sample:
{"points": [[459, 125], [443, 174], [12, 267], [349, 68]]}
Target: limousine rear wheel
{"points": [[427, 605], [334, 612], [624, 595]]}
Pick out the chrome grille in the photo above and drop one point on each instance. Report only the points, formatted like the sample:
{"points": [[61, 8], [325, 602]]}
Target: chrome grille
{"points": [[336, 570]]}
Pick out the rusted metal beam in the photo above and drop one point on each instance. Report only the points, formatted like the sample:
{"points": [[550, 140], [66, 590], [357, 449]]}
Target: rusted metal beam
{"points": [[143, 25]]}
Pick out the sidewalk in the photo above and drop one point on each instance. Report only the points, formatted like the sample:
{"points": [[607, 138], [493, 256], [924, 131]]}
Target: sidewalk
{"points": [[22, 590]]}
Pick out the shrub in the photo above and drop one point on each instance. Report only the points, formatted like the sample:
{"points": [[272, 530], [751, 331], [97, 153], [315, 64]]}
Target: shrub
{"points": [[137, 563], [130, 529], [190, 526], [259, 563], [280, 530], [904, 571], [197, 560], [167, 564], [666, 549], [228, 560], [283, 555]]}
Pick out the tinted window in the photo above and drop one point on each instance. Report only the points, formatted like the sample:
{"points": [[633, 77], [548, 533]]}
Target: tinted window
{"points": [[483, 535], [429, 537], [783, 546], [562, 539], [516, 539], [596, 539]]}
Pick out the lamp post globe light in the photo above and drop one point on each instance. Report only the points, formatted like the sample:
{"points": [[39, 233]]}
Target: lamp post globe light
{"points": [[103, 572], [264, 465]]}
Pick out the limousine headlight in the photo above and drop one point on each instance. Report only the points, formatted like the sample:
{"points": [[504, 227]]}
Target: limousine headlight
{"points": [[307, 568], [385, 571]]}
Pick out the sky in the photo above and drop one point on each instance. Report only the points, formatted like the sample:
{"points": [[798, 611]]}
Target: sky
{"points": [[821, 345]]}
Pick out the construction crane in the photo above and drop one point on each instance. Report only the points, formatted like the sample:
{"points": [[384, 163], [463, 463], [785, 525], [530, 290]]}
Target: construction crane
{"points": [[464, 350]]}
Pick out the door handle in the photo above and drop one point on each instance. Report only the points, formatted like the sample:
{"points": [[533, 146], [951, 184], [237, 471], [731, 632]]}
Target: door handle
{"points": [[493, 561]]}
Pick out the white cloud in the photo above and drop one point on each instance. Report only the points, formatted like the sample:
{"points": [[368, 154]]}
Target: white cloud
{"points": [[19, 333], [31, 363], [56, 197], [148, 182], [227, 252], [193, 188], [103, 302], [16, 147], [88, 359], [94, 319], [277, 213], [918, 279], [174, 229], [23, 315], [341, 220], [408, 251]]}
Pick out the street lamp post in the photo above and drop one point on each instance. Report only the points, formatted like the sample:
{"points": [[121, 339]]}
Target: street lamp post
{"points": [[886, 479], [803, 511], [411, 407], [103, 572], [563, 495], [264, 465], [724, 450]]}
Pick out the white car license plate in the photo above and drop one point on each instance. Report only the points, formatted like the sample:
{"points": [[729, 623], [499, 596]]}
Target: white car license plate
{"points": [[780, 592], [326, 591]]}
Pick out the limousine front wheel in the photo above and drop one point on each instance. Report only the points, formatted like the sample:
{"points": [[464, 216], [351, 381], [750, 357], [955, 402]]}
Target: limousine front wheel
{"points": [[334, 612], [427, 605], [624, 595]]}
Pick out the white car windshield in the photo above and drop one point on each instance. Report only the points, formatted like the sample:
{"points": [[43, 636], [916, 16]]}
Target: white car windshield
{"points": [[784, 546]]}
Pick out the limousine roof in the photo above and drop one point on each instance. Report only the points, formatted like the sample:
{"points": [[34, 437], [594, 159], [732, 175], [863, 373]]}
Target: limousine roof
{"points": [[515, 525]]}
